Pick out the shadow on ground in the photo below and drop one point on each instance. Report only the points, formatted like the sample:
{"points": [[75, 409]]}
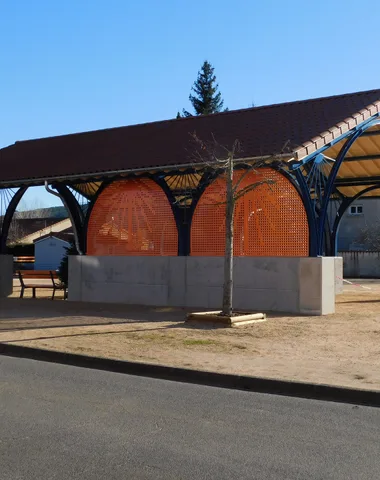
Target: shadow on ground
{"points": [[41, 313]]}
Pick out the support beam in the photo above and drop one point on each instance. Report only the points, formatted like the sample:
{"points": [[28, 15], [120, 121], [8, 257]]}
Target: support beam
{"points": [[183, 226], [359, 129], [330, 187], [356, 181], [332, 180], [361, 158], [75, 213], [372, 133], [184, 215], [103, 186]]}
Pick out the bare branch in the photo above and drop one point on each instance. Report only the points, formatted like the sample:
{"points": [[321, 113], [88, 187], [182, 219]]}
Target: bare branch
{"points": [[370, 236], [248, 170], [249, 188]]}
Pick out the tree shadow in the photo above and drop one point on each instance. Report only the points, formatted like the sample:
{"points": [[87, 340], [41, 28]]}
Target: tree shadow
{"points": [[85, 334], [38, 314], [14, 309]]}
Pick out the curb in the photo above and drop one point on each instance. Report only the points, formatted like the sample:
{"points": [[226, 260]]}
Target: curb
{"points": [[199, 377]]}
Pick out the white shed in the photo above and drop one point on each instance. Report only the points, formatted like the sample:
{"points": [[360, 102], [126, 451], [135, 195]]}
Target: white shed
{"points": [[48, 252]]}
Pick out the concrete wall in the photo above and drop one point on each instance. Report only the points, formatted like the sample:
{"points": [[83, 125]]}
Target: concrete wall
{"points": [[48, 253], [289, 284], [6, 275], [361, 264], [338, 262]]}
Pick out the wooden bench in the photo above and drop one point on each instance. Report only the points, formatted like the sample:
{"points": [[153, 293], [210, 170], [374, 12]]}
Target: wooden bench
{"points": [[21, 263], [24, 259], [51, 278]]}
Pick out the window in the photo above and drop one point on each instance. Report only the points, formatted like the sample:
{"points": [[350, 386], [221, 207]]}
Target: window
{"points": [[356, 210]]}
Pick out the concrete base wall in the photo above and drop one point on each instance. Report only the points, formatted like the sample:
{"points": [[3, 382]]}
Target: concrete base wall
{"points": [[338, 261], [288, 284], [6, 275], [361, 264]]}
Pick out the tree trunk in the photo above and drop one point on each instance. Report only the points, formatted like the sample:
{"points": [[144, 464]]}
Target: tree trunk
{"points": [[228, 257]]}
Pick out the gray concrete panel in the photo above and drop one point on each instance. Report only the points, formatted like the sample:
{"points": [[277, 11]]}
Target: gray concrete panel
{"points": [[6, 275], [286, 284]]}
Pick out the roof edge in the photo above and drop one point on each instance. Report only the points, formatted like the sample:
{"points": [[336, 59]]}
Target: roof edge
{"points": [[111, 173], [337, 130], [44, 237], [192, 118]]}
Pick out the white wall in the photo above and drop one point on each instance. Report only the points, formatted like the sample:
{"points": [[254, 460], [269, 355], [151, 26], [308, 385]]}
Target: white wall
{"points": [[289, 284], [6, 275], [48, 253]]}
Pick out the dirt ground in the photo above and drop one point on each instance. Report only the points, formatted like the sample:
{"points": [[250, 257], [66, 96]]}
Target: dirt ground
{"points": [[340, 349]]}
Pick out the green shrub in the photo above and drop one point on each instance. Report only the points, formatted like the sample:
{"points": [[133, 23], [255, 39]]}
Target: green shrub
{"points": [[63, 269]]}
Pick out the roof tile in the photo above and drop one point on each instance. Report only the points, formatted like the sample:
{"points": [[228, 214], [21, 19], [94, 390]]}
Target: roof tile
{"points": [[262, 131]]}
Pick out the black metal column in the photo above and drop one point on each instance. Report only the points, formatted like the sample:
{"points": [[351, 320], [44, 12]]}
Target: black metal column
{"points": [[76, 215], [183, 214]]}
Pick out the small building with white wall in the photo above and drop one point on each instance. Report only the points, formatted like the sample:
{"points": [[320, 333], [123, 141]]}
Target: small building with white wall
{"points": [[49, 252]]}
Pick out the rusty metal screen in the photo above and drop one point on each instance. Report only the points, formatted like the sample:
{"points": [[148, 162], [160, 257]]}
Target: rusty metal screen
{"points": [[132, 217], [269, 220]]}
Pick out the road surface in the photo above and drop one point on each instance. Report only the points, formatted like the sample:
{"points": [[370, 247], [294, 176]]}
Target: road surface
{"points": [[67, 423]]}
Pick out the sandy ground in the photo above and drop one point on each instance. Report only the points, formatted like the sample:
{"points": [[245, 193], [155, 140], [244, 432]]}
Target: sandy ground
{"points": [[340, 349]]}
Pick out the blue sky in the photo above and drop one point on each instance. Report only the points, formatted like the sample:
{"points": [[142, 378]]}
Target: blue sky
{"points": [[82, 65]]}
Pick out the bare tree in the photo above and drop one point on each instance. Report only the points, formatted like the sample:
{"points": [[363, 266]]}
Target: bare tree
{"points": [[224, 160], [35, 209], [370, 236], [25, 211], [16, 231]]}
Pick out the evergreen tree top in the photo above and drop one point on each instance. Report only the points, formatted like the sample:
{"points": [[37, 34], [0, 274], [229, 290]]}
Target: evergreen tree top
{"points": [[206, 98]]}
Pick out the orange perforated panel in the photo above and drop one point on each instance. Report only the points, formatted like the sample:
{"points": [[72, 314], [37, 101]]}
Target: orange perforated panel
{"points": [[269, 220], [132, 217]]}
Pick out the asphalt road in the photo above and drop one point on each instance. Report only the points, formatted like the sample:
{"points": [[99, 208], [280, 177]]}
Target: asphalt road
{"points": [[61, 422]]}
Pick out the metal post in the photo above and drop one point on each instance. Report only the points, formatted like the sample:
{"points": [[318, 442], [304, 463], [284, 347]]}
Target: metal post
{"points": [[310, 213], [183, 215], [74, 211]]}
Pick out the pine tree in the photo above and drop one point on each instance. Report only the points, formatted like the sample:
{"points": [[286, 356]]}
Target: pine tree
{"points": [[206, 99]]}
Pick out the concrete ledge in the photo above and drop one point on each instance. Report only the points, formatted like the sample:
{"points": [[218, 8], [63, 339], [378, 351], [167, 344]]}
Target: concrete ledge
{"points": [[238, 382], [241, 320], [300, 285]]}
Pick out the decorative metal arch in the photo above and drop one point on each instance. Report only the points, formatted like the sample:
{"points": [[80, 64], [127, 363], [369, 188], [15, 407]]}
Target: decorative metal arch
{"points": [[75, 213], [141, 218], [183, 201], [343, 208], [9, 200], [308, 208], [316, 176]]}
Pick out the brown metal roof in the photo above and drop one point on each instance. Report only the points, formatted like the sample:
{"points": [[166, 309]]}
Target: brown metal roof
{"points": [[295, 127]]}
